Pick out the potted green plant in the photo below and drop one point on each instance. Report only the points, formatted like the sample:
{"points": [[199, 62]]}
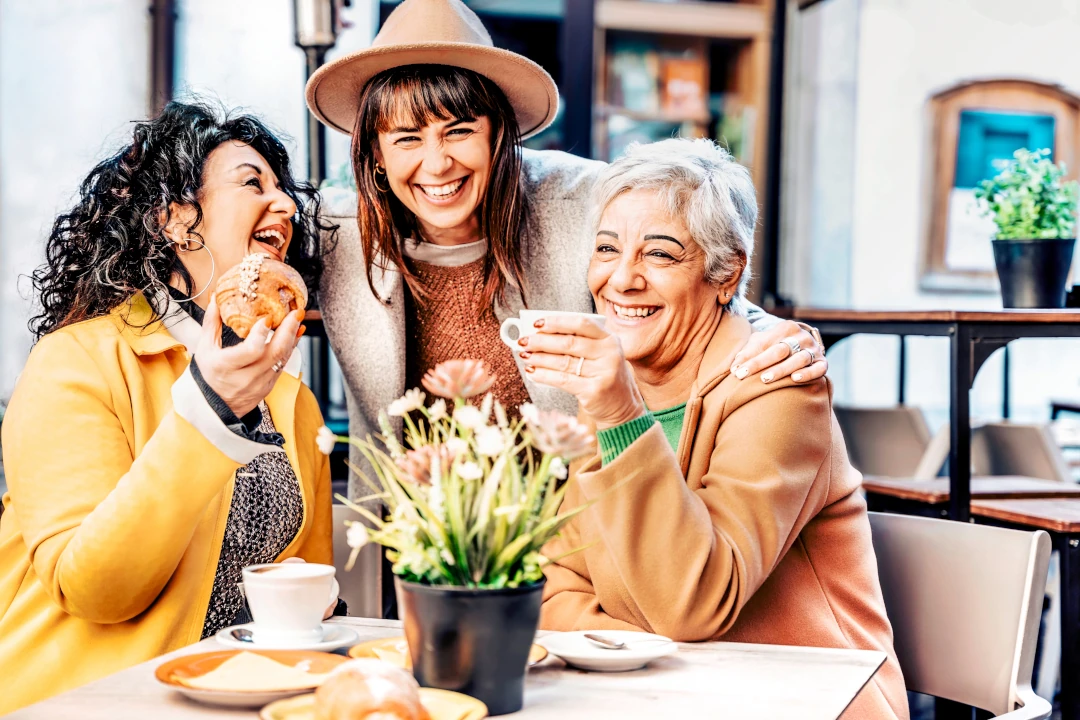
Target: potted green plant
{"points": [[471, 497], [1034, 209]]}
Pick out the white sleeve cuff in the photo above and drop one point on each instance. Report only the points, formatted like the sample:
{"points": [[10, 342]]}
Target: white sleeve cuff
{"points": [[191, 404]]}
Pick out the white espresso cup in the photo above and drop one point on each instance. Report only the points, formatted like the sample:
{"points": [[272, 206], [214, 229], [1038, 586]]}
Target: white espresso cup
{"points": [[288, 600], [524, 323]]}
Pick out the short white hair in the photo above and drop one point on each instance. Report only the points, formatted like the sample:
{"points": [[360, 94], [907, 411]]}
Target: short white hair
{"points": [[702, 185]]}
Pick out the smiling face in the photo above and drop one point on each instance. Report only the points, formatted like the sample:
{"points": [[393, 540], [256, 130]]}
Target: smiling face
{"points": [[440, 172], [647, 276], [244, 211]]}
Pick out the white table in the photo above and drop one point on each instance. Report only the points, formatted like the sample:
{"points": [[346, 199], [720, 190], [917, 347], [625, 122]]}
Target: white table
{"points": [[715, 679]]}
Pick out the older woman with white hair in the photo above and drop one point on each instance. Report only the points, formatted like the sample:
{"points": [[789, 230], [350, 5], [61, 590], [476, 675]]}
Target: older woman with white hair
{"points": [[719, 509]]}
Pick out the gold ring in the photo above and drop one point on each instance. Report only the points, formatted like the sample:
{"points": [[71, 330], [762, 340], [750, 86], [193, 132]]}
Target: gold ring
{"points": [[580, 362]]}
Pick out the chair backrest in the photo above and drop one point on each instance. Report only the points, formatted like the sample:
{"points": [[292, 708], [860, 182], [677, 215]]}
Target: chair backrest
{"points": [[360, 587], [884, 441], [964, 601], [1007, 448]]}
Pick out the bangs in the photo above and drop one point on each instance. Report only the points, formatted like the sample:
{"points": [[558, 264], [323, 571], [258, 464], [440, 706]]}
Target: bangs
{"points": [[418, 95]]}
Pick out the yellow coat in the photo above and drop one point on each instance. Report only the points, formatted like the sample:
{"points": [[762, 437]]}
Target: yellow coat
{"points": [[116, 508]]}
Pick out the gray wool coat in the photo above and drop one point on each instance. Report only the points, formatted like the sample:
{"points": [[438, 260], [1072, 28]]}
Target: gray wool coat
{"points": [[368, 336]]}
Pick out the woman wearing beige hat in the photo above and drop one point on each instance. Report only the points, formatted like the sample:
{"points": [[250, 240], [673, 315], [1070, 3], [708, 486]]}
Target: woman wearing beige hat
{"points": [[455, 226]]}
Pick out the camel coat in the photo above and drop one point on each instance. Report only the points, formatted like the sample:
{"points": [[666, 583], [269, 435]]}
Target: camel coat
{"points": [[120, 478], [753, 531]]}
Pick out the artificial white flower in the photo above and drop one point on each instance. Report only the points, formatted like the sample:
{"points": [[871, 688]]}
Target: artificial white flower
{"points": [[469, 417], [558, 468], [490, 441], [411, 400], [357, 535], [455, 446], [500, 416], [529, 413], [470, 471], [437, 411], [325, 439]]}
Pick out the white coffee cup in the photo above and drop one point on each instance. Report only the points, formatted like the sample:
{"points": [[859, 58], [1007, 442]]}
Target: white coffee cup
{"points": [[288, 600], [525, 323]]}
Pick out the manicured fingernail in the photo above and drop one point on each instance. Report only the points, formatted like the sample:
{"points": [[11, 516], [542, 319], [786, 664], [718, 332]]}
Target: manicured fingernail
{"points": [[741, 373], [767, 377], [301, 331], [523, 340], [299, 315], [529, 369], [524, 355], [539, 323], [797, 377]]}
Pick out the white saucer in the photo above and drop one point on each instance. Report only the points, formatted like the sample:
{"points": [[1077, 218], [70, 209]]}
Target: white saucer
{"points": [[334, 636], [641, 648]]}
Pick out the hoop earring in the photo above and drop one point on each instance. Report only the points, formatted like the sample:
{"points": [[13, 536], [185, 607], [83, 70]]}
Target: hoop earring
{"points": [[186, 247], [375, 178]]}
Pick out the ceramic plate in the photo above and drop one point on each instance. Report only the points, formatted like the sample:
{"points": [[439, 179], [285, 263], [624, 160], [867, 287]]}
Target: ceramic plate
{"points": [[335, 635], [395, 650], [641, 649], [172, 672], [440, 704]]}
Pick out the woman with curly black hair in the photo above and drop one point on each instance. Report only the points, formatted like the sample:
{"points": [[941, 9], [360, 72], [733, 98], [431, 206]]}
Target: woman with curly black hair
{"points": [[150, 453]]}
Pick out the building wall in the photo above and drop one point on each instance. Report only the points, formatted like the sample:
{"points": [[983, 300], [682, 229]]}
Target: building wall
{"points": [[67, 93], [74, 75], [907, 50]]}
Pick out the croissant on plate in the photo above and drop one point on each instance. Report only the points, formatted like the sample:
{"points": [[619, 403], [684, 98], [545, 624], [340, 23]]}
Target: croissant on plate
{"points": [[259, 287], [368, 689]]}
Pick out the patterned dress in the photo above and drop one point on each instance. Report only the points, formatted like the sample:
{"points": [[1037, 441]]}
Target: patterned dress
{"points": [[264, 517]]}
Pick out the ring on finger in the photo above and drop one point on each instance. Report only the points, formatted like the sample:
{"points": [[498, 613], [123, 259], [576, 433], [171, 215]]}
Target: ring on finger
{"points": [[580, 362], [810, 353], [792, 344], [276, 367]]}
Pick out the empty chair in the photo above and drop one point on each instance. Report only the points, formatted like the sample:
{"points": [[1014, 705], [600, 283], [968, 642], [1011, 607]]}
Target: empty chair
{"points": [[359, 587], [1007, 448], [885, 441], [964, 601]]}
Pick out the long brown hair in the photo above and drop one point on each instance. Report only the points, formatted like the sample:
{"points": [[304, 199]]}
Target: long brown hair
{"points": [[420, 95]]}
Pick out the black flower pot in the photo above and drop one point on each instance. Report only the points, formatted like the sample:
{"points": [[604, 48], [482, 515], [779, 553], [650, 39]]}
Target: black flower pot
{"points": [[1033, 272], [471, 641]]}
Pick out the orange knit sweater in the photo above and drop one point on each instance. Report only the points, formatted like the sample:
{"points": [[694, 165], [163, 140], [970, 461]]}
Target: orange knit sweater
{"points": [[454, 322]]}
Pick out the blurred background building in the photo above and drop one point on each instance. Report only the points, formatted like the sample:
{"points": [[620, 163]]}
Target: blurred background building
{"points": [[852, 115]]}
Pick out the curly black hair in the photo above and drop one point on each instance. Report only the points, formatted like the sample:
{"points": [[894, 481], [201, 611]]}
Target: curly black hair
{"points": [[112, 244]]}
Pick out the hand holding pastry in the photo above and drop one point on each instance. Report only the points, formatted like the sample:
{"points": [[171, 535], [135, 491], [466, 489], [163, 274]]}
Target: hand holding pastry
{"points": [[244, 374]]}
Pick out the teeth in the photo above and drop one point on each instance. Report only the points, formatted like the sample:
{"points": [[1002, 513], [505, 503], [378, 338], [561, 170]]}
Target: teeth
{"points": [[442, 190], [275, 236], [633, 311]]}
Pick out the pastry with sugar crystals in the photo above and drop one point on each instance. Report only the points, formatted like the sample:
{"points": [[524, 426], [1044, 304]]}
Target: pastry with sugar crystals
{"points": [[259, 287]]}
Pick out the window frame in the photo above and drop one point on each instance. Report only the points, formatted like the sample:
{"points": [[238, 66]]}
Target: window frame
{"points": [[1007, 95]]}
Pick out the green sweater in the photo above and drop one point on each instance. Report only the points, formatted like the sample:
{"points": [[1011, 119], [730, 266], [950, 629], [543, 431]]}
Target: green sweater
{"points": [[616, 439]]}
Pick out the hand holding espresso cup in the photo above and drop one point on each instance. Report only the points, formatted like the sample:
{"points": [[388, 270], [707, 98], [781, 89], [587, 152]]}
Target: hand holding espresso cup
{"points": [[575, 353]]}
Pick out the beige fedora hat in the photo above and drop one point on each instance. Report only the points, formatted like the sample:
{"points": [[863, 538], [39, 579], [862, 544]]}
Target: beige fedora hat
{"points": [[433, 32]]}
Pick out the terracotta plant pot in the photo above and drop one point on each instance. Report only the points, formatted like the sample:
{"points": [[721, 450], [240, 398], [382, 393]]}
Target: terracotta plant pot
{"points": [[1033, 272], [472, 641]]}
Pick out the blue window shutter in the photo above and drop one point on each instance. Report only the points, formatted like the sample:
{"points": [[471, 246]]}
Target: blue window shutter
{"points": [[987, 136]]}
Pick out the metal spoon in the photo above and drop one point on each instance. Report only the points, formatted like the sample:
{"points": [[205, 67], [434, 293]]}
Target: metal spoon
{"points": [[606, 643], [609, 644], [242, 635]]}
